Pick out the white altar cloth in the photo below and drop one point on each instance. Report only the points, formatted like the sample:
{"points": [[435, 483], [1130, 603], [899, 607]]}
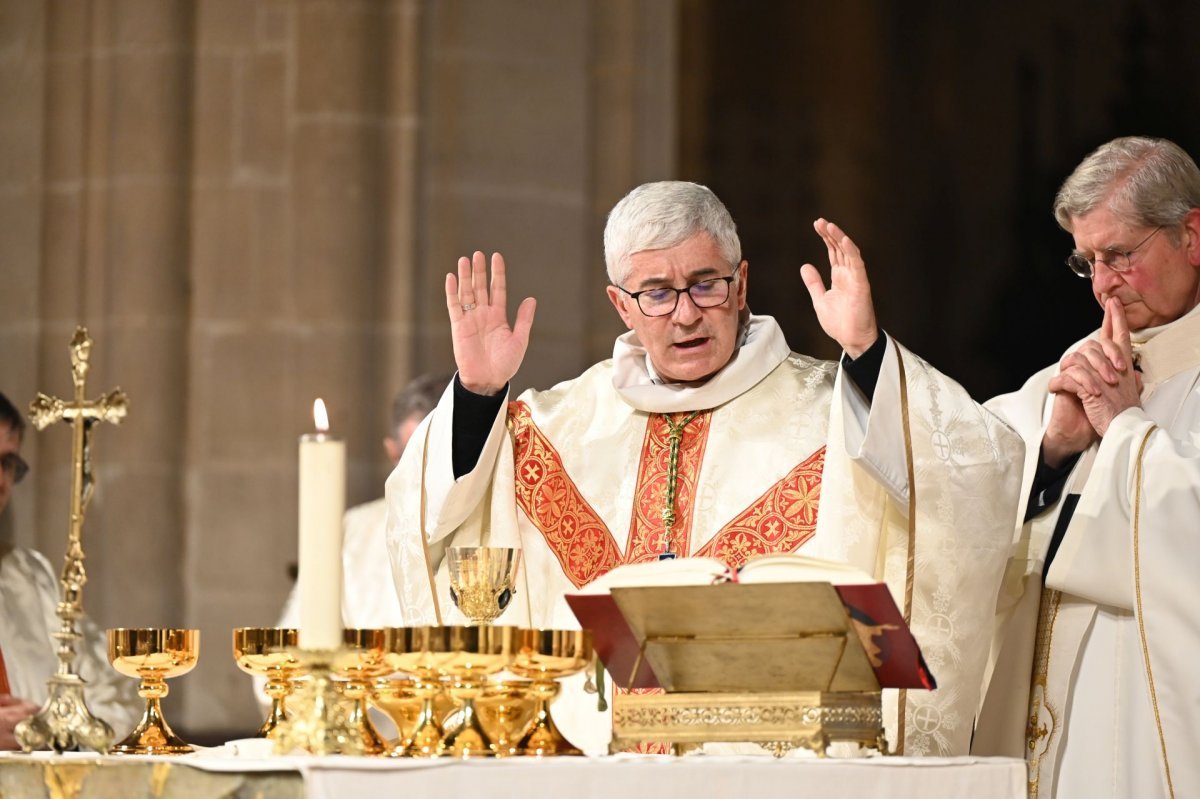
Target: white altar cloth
{"points": [[661, 777]]}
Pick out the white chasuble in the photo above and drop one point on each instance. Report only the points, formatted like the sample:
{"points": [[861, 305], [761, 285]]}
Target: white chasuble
{"points": [[964, 463], [576, 477]]}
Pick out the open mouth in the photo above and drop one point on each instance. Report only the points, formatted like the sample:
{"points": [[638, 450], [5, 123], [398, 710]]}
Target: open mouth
{"points": [[691, 344]]}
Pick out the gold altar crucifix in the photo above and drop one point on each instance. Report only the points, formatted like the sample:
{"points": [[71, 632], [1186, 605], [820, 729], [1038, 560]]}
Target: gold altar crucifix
{"points": [[65, 722]]}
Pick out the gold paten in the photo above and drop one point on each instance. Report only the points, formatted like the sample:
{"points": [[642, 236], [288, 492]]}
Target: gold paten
{"points": [[734, 673], [267, 652], [64, 721], [544, 657], [154, 656]]}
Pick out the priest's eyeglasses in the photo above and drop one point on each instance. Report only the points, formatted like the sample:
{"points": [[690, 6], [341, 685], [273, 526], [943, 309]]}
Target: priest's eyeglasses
{"points": [[662, 301], [14, 466], [1116, 260]]}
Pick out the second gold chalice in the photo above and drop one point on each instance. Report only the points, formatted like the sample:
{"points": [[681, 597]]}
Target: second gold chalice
{"points": [[266, 652], [154, 656], [543, 657], [363, 659]]}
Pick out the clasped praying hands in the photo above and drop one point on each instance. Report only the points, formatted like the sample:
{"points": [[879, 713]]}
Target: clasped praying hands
{"points": [[1095, 383], [487, 351]]}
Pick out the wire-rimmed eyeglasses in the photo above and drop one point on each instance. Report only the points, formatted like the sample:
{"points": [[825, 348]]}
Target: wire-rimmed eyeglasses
{"points": [[1116, 260], [662, 301], [14, 466]]}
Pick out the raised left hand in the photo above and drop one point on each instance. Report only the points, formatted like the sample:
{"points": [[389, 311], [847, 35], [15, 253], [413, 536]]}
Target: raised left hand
{"points": [[1101, 371], [845, 309]]}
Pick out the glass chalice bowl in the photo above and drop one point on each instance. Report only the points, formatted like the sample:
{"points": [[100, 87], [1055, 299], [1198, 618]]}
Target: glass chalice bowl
{"points": [[476, 652], [363, 659], [482, 580], [543, 657], [268, 652], [153, 655]]}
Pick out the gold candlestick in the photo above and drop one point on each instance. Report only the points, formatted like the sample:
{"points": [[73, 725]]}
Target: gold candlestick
{"points": [[321, 721], [65, 722]]}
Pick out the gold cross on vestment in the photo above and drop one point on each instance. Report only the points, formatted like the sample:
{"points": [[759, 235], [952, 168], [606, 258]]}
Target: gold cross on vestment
{"points": [[65, 722]]}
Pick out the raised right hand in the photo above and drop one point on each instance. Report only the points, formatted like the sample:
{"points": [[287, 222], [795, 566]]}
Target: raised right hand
{"points": [[486, 350]]}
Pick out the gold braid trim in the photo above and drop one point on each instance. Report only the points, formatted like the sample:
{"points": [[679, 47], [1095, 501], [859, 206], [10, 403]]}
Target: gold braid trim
{"points": [[1137, 587], [910, 567]]}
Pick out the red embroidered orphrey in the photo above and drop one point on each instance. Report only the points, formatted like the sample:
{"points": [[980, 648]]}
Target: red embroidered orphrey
{"points": [[780, 520]]}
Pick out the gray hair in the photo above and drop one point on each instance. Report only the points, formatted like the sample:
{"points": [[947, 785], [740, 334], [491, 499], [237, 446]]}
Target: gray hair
{"points": [[655, 216], [418, 398], [1144, 181]]}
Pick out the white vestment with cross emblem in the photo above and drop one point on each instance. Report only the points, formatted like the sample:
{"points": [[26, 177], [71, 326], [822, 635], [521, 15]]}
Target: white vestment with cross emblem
{"points": [[1115, 705], [774, 417]]}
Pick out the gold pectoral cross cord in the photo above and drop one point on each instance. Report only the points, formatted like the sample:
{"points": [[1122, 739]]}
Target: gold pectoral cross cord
{"points": [[674, 436]]}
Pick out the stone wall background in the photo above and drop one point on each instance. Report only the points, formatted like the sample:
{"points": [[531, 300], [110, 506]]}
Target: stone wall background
{"points": [[251, 203]]}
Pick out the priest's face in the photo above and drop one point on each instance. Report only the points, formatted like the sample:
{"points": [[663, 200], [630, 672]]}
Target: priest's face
{"points": [[690, 343], [1162, 282], [10, 448]]}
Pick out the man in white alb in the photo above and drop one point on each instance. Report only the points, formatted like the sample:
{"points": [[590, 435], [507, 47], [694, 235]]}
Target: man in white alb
{"points": [[1093, 668], [704, 435]]}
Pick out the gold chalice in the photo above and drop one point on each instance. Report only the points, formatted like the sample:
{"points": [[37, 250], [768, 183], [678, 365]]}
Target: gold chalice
{"points": [[506, 709], [477, 651], [153, 655], [543, 657], [363, 659], [266, 652], [404, 700], [423, 652], [482, 580]]}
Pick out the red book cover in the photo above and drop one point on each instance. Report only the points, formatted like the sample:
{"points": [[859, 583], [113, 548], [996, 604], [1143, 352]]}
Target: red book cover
{"points": [[891, 649]]}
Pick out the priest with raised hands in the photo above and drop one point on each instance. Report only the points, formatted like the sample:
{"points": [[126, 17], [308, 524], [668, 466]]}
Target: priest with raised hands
{"points": [[1093, 663], [703, 435]]}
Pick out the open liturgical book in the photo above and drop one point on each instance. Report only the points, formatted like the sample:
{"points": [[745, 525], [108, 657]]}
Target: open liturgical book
{"points": [[870, 611]]}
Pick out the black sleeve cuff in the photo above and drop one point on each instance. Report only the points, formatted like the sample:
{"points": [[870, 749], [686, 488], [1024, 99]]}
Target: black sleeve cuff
{"points": [[474, 415], [1048, 484], [864, 370]]}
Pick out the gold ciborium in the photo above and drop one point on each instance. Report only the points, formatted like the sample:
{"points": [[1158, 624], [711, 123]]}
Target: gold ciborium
{"points": [[267, 652], [153, 655], [543, 657], [362, 660], [482, 580]]}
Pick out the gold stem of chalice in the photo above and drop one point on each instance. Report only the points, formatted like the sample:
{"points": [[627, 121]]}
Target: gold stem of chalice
{"points": [[506, 709], [363, 660], [421, 652], [154, 656], [544, 657], [267, 652], [482, 580]]}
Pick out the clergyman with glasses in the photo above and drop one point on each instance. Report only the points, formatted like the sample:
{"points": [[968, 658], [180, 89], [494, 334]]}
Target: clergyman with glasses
{"points": [[1094, 661], [29, 595], [703, 435]]}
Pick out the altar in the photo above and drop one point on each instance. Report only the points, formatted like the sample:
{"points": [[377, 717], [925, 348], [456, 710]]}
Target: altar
{"points": [[217, 773]]}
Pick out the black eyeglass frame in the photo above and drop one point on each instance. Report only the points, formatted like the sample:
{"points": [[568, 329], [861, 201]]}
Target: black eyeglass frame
{"points": [[1085, 267], [637, 295]]}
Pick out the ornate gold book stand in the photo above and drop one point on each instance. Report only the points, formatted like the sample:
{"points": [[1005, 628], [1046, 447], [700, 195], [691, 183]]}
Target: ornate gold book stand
{"points": [[780, 664]]}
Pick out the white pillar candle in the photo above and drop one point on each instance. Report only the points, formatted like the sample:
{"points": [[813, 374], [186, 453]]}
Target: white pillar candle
{"points": [[322, 503]]}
